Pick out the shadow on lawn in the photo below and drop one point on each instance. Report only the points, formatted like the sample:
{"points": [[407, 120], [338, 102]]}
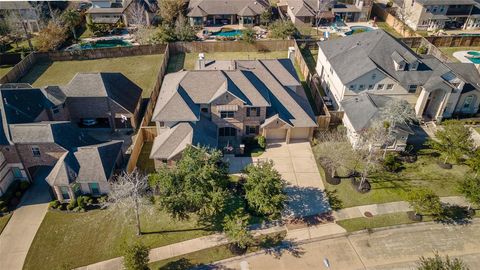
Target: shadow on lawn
{"points": [[174, 231], [176, 62], [455, 215], [36, 72]]}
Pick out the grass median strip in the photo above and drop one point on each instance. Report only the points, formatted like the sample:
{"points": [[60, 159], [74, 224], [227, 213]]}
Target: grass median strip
{"points": [[4, 221], [362, 223]]}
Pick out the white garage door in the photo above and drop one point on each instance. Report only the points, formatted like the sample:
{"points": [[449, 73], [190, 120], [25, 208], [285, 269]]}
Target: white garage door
{"points": [[276, 134], [299, 133]]}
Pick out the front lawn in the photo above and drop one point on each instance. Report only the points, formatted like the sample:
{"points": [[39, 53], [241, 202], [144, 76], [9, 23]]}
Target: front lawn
{"points": [[4, 221], [362, 223], [390, 187], [140, 69], [71, 240], [448, 51], [214, 254], [4, 70]]}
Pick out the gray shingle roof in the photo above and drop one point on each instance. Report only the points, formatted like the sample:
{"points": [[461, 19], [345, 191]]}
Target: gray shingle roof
{"points": [[113, 85], [219, 7], [174, 140], [377, 50], [303, 8], [63, 133]]}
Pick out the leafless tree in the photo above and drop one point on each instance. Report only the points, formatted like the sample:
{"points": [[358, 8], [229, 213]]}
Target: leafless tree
{"points": [[129, 195], [136, 14], [322, 7], [371, 142], [403, 13], [335, 151], [18, 28]]}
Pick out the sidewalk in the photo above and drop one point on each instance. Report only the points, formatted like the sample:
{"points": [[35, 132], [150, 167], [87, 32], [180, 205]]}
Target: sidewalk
{"points": [[296, 235], [177, 249], [388, 208]]}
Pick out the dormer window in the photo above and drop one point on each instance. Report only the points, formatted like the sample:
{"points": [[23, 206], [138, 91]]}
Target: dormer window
{"points": [[414, 65]]}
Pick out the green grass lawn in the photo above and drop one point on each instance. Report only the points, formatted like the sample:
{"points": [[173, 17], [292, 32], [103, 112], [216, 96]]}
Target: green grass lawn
{"points": [[387, 28], [4, 70], [362, 223], [144, 162], [187, 61], [210, 255], [140, 69], [4, 221], [448, 51], [71, 240], [390, 187]]}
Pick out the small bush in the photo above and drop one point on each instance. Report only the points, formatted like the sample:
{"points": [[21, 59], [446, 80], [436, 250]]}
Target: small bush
{"points": [[4, 209], [82, 202], [135, 257], [2, 203], [102, 199], [24, 185], [391, 163], [262, 142], [54, 204], [18, 194], [72, 205]]}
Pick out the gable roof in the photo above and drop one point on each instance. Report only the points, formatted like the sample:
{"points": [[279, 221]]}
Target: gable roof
{"points": [[63, 133], [173, 141], [93, 163], [377, 50], [258, 83], [24, 105], [115, 86], [366, 108], [201, 8]]}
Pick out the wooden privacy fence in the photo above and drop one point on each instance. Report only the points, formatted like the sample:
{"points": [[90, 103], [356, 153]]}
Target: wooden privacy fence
{"points": [[20, 69], [147, 133], [106, 52], [393, 21], [230, 46]]}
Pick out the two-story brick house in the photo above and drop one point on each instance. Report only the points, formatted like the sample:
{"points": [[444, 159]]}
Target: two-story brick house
{"points": [[39, 131], [223, 101]]}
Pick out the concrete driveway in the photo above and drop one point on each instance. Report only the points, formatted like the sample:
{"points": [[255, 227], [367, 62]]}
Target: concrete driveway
{"points": [[18, 235], [296, 163]]}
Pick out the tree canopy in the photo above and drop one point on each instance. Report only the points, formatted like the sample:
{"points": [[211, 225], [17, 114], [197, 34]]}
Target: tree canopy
{"points": [[282, 29], [135, 257], [196, 185], [439, 263], [470, 188], [424, 201], [170, 10], [264, 189], [453, 141], [235, 226]]}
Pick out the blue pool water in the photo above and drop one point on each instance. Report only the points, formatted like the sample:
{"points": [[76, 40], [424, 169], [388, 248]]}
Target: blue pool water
{"points": [[358, 29], [232, 33], [101, 44], [474, 57]]}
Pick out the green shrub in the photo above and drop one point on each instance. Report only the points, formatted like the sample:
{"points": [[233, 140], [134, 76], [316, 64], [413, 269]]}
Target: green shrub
{"points": [[135, 257], [102, 199], [82, 202], [422, 50], [18, 194], [262, 142], [24, 185], [2, 203], [54, 204], [72, 205], [4, 209], [391, 163]]}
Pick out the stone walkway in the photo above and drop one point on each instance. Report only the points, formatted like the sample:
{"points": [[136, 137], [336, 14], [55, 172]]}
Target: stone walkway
{"points": [[18, 235], [387, 208]]}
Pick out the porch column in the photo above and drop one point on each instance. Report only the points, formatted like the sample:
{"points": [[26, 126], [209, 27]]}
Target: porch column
{"points": [[421, 102], [287, 140], [441, 108]]}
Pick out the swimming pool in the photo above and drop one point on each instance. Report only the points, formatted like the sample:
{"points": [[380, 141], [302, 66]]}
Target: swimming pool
{"points": [[358, 29], [109, 43], [473, 56], [229, 33]]}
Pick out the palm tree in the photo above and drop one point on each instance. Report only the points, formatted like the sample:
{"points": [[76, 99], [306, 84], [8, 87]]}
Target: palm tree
{"points": [[71, 18]]}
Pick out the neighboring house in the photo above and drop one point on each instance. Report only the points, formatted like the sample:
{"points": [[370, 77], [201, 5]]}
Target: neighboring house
{"points": [[24, 11], [39, 130], [224, 101], [110, 98], [441, 14], [221, 12], [306, 12], [376, 62], [124, 11], [362, 111]]}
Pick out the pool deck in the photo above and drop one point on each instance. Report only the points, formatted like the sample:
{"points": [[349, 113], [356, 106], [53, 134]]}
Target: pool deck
{"points": [[461, 57]]}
